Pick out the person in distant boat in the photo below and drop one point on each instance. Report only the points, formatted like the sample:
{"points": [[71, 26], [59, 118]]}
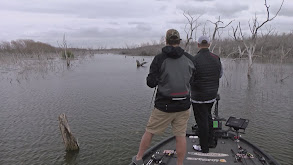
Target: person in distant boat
{"points": [[170, 72], [204, 89]]}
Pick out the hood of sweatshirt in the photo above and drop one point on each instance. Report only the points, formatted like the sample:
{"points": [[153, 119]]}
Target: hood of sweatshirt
{"points": [[173, 52]]}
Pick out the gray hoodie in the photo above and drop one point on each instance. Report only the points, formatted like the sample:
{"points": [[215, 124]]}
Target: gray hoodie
{"points": [[171, 71]]}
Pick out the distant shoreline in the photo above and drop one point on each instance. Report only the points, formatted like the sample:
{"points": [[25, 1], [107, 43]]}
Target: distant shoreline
{"points": [[273, 48]]}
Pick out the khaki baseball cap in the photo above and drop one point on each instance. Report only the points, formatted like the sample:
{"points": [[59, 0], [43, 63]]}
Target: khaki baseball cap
{"points": [[172, 34]]}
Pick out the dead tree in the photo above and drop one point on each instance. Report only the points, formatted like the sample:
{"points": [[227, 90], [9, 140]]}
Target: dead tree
{"points": [[264, 35], [254, 27], [190, 29], [138, 64], [204, 30], [70, 142], [269, 31], [284, 53], [216, 30], [236, 38], [65, 53], [217, 27]]}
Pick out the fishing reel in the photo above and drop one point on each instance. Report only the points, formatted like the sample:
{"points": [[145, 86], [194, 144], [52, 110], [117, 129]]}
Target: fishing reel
{"points": [[160, 159]]}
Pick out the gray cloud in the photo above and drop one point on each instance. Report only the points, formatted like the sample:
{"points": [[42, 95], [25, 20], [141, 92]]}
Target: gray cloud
{"points": [[116, 22], [281, 24], [88, 9], [214, 7], [194, 9], [141, 25], [201, 0], [286, 10], [182, 21], [230, 9], [110, 36], [136, 23], [144, 27]]}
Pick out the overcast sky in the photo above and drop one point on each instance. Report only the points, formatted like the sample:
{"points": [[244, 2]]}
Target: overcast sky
{"points": [[117, 23]]}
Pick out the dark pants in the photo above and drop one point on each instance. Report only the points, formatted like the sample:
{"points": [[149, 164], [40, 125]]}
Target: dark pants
{"points": [[203, 118]]}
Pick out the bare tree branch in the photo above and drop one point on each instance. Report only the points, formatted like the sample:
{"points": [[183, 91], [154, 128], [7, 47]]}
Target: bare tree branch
{"points": [[235, 33], [204, 32], [217, 27], [190, 27], [257, 27], [269, 30]]}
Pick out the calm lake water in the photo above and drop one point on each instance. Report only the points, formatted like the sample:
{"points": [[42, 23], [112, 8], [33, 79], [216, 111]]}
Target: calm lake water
{"points": [[107, 103]]}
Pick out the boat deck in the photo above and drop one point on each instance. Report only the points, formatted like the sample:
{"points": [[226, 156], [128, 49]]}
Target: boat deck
{"points": [[222, 154]]}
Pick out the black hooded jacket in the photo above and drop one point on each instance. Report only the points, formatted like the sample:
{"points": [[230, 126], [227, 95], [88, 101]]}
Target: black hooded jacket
{"points": [[171, 71]]}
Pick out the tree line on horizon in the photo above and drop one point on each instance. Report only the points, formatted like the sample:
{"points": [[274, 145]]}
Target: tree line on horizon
{"points": [[30, 47], [270, 47]]}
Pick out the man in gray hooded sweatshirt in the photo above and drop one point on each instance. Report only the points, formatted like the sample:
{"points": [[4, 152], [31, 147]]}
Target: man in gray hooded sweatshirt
{"points": [[170, 72]]}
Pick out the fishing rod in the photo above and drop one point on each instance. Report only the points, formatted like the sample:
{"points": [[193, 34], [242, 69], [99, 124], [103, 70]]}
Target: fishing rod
{"points": [[167, 153], [216, 111], [160, 159], [153, 157], [243, 153], [246, 153], [151, 160], [249, 155], [237, 158], [260, 158], [153, 96]]}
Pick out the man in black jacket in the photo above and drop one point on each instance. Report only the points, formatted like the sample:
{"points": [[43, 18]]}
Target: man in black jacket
{"points": [[170, 72], [204, 89]]}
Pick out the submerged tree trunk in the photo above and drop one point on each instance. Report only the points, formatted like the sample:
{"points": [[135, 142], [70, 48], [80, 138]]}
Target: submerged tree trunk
{"points": [[241, 52], [250, 56], [250, 52], [70, 142], [220, 50]]}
